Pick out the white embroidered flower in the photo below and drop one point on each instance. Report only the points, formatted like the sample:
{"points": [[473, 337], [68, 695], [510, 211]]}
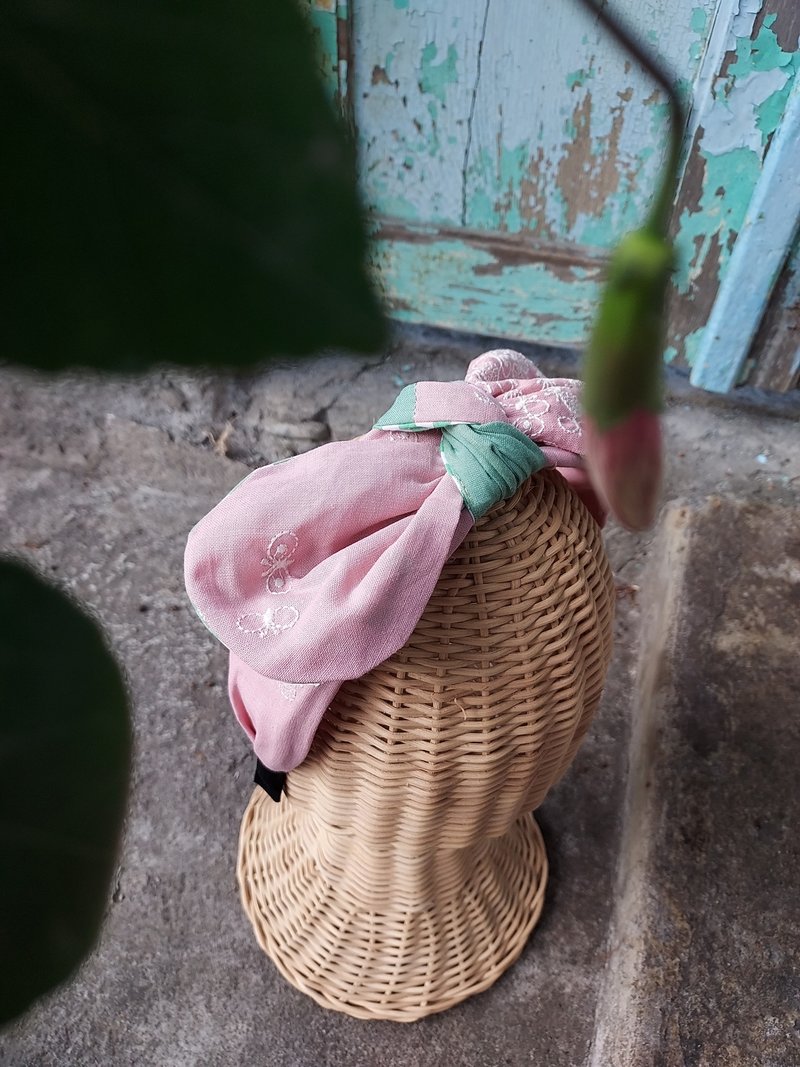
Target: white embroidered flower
{"points": [[291, 690], [270, 622], [531, 409], [501, 364], [280, 553], [569, 424], [571, 400]]}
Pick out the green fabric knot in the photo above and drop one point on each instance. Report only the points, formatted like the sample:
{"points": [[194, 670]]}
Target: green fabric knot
{"points": [[488, 462]]}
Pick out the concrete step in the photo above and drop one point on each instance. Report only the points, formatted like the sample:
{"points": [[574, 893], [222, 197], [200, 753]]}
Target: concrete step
{"points": [[669, 932], [704, 967]]}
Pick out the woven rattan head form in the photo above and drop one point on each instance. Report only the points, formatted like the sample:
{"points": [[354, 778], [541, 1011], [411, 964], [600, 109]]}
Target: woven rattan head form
{"points": [[403, 872], [469, 724]]}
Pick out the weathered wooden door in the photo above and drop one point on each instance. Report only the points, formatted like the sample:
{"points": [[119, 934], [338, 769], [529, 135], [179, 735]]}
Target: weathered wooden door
{"points": [[505, 145]]}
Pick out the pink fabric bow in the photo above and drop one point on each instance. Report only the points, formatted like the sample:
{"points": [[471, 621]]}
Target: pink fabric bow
{"points": [[314, 570]]}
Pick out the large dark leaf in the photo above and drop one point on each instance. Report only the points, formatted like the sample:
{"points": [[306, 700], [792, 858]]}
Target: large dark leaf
{"points": [[174, 187], [64, 758]]}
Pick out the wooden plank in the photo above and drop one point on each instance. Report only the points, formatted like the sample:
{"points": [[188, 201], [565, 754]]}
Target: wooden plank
{"points": [[522, 116], [414, 67], [766, 237], [322, 16], [331, 25], [505, 285], [734, 129], [775, 355], [568, 135], [522, 119], [488, 118]]}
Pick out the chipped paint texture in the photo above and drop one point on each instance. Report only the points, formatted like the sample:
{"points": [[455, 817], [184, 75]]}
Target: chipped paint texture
{"points": [[766, 236], [520, 119], [322, 14], [740, 114], [523, 120], [465, 282], [743, 22], [517, 117]]}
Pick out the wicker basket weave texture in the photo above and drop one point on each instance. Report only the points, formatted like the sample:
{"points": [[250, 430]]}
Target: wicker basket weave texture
{"points": [[391, 963], [404, 872], [445, 744]]}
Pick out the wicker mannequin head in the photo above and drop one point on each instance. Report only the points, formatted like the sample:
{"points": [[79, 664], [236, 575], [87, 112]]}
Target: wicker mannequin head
{"points": [[417, 788]]}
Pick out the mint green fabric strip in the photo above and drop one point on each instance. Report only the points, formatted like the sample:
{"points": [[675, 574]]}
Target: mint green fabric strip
{"points": [[488, 462], [401, 414]]}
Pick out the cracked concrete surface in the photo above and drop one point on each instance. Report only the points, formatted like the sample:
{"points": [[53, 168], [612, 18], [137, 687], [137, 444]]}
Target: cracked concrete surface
{"points": [[100, 480]]}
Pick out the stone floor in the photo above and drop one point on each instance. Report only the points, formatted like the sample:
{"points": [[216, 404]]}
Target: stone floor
{"points": [[670, 928]]}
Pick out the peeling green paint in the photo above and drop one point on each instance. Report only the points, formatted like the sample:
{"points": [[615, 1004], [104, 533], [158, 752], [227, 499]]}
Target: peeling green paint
{"points": [[394, 206], [659, 117], [618, 214], [495, 201], [736, 128], [727, 187], [435, 77], [433, 141], [771, 110], [764, 53], [454, 284], [683, 87], [579, 77], [698, 24], [502, 185], [544, 155], [602, 230], [691, 344], [699, 20], [325, 32], [670, 354], [481, 212]]}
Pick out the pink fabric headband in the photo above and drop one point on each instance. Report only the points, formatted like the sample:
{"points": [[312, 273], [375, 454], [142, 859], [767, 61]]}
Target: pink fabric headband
{"points": [[314, 570]]}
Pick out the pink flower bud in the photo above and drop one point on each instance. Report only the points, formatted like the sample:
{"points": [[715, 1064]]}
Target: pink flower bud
{"points": [[625, 467]]}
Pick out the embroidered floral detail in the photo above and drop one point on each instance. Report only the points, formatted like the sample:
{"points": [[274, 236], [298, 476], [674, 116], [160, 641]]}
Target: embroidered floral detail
{"points": [[290, 690], [501, 364], [569, 424], [280, 553], [272, 621], [571, 400], [531, 408], [401, 435]]}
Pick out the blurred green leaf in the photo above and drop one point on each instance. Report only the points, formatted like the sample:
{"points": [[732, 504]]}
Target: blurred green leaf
{"points": [[64, 764], [175, 187]]}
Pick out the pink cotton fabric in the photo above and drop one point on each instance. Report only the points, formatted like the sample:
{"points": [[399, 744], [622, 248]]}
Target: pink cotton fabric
{"points": [[316, 569]]}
